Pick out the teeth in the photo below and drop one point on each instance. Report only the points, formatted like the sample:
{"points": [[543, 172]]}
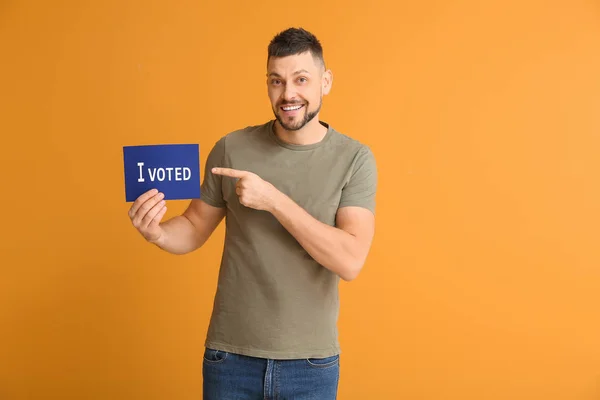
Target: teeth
{"points": [[292, 108]]}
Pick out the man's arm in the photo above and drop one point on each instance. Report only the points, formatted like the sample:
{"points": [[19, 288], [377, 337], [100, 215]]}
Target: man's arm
{"points": [[342, 249], [189, 231], [180, 234]]}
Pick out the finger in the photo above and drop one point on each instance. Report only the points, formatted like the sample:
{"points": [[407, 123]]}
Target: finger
{"points": [[141, 200], [151, 214], [145, 207], [234, 173], [244, 201], [156, 220], [238, 190]]}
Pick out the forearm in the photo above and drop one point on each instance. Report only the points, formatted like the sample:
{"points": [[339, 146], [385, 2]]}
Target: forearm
{"points": [[333, 248], [179, 236]]}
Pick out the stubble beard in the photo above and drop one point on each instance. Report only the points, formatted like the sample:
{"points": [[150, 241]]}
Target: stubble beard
{"points": [[295, 126]]}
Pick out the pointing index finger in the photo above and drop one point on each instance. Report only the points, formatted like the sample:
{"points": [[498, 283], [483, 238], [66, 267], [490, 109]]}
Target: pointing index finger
{"points": [[234, 173]]}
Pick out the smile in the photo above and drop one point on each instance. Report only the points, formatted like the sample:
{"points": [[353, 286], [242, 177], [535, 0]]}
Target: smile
{"points": [[292, 108]]}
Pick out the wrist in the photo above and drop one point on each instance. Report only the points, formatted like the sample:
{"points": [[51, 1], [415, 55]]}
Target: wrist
{"points": [[160, 240], [277, 199]]}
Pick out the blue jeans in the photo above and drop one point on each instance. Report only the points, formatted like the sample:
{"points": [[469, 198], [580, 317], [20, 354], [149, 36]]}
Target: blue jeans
{"points": [[229, 376]]}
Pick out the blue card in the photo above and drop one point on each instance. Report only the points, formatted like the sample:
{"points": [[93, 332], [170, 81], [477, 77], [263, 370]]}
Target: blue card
{"points": [[173, 169]]}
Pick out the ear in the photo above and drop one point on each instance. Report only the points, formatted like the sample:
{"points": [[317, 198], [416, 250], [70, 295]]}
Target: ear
{"points": [[327, 81]]}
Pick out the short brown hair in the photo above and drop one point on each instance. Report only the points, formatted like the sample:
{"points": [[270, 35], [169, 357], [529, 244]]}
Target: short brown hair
{"points": [[295, 41]]}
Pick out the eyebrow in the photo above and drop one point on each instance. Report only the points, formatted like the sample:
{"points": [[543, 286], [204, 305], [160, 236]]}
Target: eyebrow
{"points": [[295, 73]]}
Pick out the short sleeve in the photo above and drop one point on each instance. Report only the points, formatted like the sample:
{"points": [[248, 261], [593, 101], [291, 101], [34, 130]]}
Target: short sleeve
{"points": [[361, 187], [210, 191]]}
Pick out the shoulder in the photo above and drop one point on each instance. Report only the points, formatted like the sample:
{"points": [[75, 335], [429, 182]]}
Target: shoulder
{"points": [[241, 136], [248, 130], [358, 151]]}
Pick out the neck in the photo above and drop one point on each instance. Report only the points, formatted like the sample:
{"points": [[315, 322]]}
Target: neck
{"points": [[311, 133]]}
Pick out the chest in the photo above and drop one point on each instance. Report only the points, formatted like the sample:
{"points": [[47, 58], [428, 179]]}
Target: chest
{"points": [[313, 181]]}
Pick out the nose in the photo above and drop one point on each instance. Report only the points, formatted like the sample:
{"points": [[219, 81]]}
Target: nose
{"points": [[289, 94]]}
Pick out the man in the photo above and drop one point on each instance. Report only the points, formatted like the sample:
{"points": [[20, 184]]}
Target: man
{"points": [[299, 202]]}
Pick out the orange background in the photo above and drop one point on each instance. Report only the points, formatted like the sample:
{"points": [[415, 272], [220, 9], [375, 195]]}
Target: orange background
{"points": [[483, 281]]}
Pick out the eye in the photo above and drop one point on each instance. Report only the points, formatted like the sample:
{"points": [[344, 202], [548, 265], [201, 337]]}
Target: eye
{"points": [[302, 79], [275, 81]]}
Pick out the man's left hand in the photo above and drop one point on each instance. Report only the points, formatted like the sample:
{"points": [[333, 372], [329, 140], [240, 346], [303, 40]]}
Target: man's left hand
{"points": [[252, 190]]}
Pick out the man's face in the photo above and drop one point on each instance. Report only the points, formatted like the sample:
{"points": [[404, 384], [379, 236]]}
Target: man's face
{"points": [[296, 85]]}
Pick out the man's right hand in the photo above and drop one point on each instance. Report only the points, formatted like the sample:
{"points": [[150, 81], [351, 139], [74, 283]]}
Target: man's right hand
{"points": [[146, 213]]}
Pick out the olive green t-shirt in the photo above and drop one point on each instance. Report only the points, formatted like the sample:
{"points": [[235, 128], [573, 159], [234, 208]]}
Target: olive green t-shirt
{"points": [[273, 300]]}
